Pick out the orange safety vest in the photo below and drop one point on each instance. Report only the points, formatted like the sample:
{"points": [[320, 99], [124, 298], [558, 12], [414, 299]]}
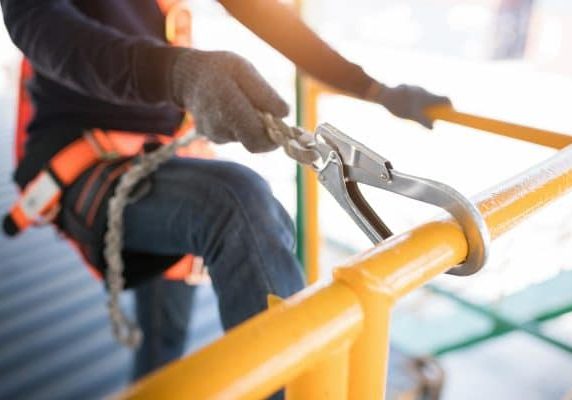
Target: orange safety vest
{"points": [[178, 27]]}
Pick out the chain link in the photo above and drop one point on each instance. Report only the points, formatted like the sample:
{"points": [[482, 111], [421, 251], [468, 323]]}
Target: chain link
{"points": [[296, 143], [126, 331]]}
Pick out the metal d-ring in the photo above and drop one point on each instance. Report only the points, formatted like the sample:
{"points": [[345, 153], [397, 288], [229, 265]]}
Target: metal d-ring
{"points": [[462, 209]]}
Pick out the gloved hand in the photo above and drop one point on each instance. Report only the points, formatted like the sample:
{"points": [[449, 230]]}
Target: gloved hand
{"points": [[410, 102], [223, 91]]}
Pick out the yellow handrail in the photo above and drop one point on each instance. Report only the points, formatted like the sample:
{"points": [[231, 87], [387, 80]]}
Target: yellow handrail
{"points": [[347, 321], [515, 131], [319, 320]]}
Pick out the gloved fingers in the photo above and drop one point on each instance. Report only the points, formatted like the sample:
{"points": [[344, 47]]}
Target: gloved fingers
{"points": [[224, 135], [431, 100], [441, 100], [426, 101], [261, 95], [424, 120], [411, 102], [246, 124], [210, 124]]}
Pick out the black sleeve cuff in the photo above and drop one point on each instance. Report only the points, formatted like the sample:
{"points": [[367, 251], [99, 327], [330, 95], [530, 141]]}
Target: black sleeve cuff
{"points": [[153, 72]]}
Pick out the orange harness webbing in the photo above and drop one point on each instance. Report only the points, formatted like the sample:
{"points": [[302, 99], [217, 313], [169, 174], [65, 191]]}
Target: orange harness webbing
{"points": [[40, 199]]}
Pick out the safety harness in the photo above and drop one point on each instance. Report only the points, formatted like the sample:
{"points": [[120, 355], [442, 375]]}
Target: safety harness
{"points": [[108, 154]]}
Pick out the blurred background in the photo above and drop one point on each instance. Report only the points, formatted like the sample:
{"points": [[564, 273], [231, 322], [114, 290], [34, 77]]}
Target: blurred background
{"points": [[507, 59]]}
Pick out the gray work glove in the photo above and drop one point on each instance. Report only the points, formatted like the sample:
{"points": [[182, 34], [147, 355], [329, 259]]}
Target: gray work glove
{"points": [[410, 102], [223, 91]]}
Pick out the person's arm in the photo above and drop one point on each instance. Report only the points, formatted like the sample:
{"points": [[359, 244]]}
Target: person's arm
{"points": [[222, 90], [279, 26], [78, 52]]}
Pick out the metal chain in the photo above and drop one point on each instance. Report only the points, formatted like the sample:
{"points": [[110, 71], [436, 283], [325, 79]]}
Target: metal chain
{"points": [[296, 143], [126, 331]]}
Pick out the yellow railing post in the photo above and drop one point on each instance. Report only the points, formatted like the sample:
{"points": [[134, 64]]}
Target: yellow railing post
{"points": [[327, 380], [407, 259], [370, 352]]}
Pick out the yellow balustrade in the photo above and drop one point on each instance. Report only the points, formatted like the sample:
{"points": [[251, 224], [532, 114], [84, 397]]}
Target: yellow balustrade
{"points": [[332, 341], [264, 353]]}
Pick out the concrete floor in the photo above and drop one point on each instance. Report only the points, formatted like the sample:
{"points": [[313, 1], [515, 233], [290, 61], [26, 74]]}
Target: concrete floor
{"points": [[514, 366]]}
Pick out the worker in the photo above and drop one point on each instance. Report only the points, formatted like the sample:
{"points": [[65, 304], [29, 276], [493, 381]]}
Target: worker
{"points": [[103, 66]]}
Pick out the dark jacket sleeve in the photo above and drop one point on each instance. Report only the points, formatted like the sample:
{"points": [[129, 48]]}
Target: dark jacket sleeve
{"points": [[280, 27], [78, 52]]}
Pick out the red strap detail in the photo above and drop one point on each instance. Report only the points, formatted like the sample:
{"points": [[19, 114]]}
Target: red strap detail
{"points": [[181, 270], [88, 187], [102, 190], [79, 248], [25, 110]]}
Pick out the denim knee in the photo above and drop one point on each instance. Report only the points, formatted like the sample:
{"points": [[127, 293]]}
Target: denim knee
{"points": [[255, 198], [244, 183]]}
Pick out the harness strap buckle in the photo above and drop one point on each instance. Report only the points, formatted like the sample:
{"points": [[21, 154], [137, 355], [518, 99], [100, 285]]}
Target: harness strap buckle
{"points": [[39, 201], [38, 204]]}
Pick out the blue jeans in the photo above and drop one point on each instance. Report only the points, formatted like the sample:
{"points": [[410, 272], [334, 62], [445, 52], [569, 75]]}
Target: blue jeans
{"points": [[227, 214], [163, 309]]}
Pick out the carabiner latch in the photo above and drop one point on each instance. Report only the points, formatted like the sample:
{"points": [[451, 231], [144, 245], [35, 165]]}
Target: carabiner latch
{"points": [[345, 162]]}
